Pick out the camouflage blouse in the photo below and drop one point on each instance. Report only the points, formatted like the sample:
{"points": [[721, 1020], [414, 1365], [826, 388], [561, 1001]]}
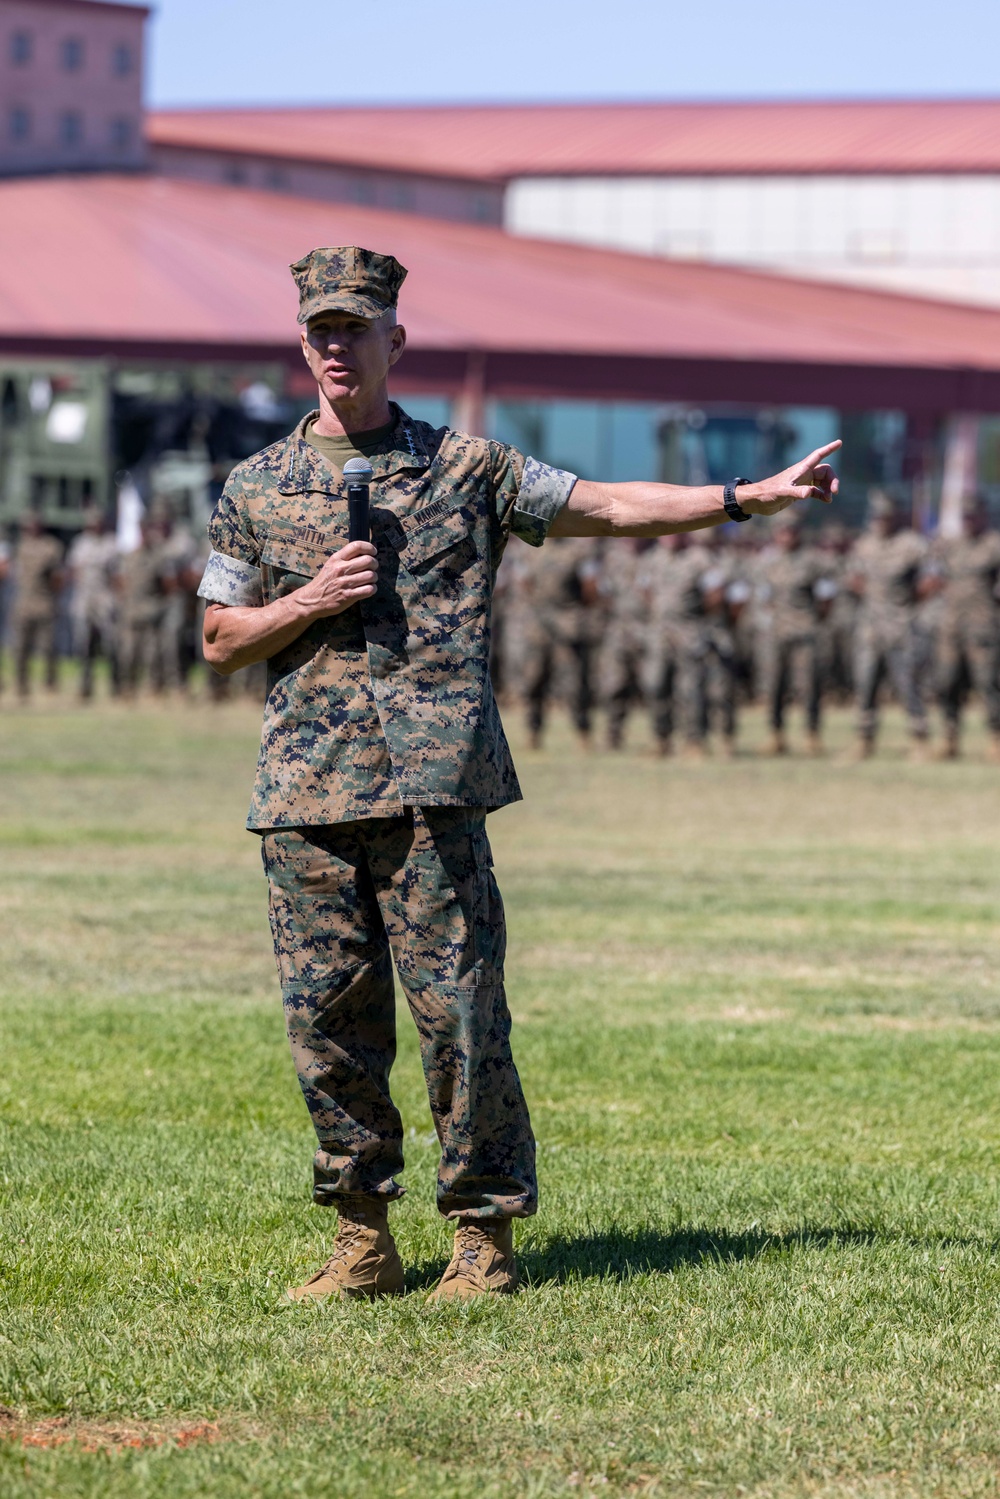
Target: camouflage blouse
{"points": [[390, 703]]}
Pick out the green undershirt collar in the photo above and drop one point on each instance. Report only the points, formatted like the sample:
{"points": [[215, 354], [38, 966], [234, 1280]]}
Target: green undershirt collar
{"points": [[337, 450]]}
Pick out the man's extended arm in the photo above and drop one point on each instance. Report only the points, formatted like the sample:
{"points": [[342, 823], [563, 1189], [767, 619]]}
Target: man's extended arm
{"points": [[236, 637], [656, 509]]}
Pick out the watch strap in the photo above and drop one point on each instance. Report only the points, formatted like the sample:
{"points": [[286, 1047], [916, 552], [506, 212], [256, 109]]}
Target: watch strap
{"points": [[732, 505]]}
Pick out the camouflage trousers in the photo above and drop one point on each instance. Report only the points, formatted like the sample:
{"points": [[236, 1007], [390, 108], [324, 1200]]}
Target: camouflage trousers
{"points": [[902, 657], [33, 635], [140, 657], [690, 682], [94, 637], [791, 666], [346, 900], [967, 658], [620, 677], [553, 666]]}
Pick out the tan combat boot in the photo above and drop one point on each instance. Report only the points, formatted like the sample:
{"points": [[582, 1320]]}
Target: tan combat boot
{"points": [[364, 1262], [483, 1262], [993, 753], [949, 750], [814, 747], [777, 744]]}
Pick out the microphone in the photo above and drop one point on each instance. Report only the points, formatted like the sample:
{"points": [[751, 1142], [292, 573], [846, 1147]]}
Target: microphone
{"points": [[359, 474]]}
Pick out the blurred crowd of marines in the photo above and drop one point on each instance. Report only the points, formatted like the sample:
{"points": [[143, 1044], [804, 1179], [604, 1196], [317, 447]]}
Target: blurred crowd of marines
{"points": [[692, 627], [135, 608], [687, 629]]}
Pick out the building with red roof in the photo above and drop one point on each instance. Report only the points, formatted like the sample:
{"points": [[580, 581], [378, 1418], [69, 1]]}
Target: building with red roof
{"points": [[899, 194], [574, 271]]}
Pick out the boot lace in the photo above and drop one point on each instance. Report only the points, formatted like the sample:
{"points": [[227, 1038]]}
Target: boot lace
{"points": [[348, 1241], [473, 1246]]}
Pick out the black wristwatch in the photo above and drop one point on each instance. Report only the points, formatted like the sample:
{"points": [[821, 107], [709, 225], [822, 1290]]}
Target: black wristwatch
{"points": [[733, 507]]}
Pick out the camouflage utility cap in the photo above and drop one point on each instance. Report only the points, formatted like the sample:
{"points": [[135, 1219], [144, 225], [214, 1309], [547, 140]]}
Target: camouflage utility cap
{"points": [[347, 279]]}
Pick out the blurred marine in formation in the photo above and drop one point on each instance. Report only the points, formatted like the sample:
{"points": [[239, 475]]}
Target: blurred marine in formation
{"points": [[689, 665], [142, 594], [968, 641], [559, 633], [625, 592], [795, 589], [36, 575], [887, 570], [92, 562]]}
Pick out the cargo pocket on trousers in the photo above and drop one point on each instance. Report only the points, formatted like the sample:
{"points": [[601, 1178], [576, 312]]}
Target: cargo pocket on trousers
{"points": [[490, 924]]}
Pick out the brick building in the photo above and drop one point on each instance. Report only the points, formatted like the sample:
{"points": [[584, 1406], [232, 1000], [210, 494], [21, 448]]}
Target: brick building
{"points": [[71, 86]]}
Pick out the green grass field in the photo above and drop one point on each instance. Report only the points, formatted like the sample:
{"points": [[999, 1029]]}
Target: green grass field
{"points": [[758, 1019]]}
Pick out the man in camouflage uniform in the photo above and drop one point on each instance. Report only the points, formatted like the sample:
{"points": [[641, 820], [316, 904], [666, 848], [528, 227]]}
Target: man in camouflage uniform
{"points": [[682, 670], [558, 603], [839, 623], [789, 579], [36, 577], [5, 556], [92, 561], [142, 581], [382, 752], [624, 587], [178, 551], [968, 641], [887, 566]]}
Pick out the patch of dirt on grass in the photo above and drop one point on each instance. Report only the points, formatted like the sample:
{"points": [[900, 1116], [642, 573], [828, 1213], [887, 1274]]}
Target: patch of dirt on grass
{"points": [[861, 1021], [100, 1436], [751, 1015]]}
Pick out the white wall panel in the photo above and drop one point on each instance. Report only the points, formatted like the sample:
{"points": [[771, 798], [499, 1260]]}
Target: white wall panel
{"points": [[939, 234]]}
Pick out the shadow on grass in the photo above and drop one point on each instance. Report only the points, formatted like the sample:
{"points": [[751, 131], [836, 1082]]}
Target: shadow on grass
{"points": [[620, 1254]]}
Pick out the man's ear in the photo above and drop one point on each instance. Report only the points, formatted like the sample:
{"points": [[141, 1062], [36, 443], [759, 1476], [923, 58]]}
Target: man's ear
{"points": [[397, 343], [303, 343]]}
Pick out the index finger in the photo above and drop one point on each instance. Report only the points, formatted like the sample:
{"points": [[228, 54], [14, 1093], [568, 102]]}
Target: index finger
{"points": [[356, 549], [821, 453]]}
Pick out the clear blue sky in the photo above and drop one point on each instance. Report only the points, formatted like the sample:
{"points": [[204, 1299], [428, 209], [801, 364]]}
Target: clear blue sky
{"points": [[327, 51]]}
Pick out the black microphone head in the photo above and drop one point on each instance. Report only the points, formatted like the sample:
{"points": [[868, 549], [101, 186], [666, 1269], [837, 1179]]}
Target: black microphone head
{"points": [[358, 471]]}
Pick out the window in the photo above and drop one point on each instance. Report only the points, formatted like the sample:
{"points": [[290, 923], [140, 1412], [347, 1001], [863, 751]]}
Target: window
{"points": [[70, 128], [21, 48], [276, 178], [121, 133], [121, 61], [71, 53], [362, 190], [19, 123], [234, 172], [401, 196]]}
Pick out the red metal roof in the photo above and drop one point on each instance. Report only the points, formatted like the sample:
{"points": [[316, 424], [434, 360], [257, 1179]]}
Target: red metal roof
{"points": [[114, 5], [152, 267], [501, 141], [136, 258]]}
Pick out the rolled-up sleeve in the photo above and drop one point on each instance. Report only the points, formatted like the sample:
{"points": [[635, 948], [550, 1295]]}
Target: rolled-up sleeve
{"points": [[232, 574], [543, 492], [229, 580], [529, 494]]}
